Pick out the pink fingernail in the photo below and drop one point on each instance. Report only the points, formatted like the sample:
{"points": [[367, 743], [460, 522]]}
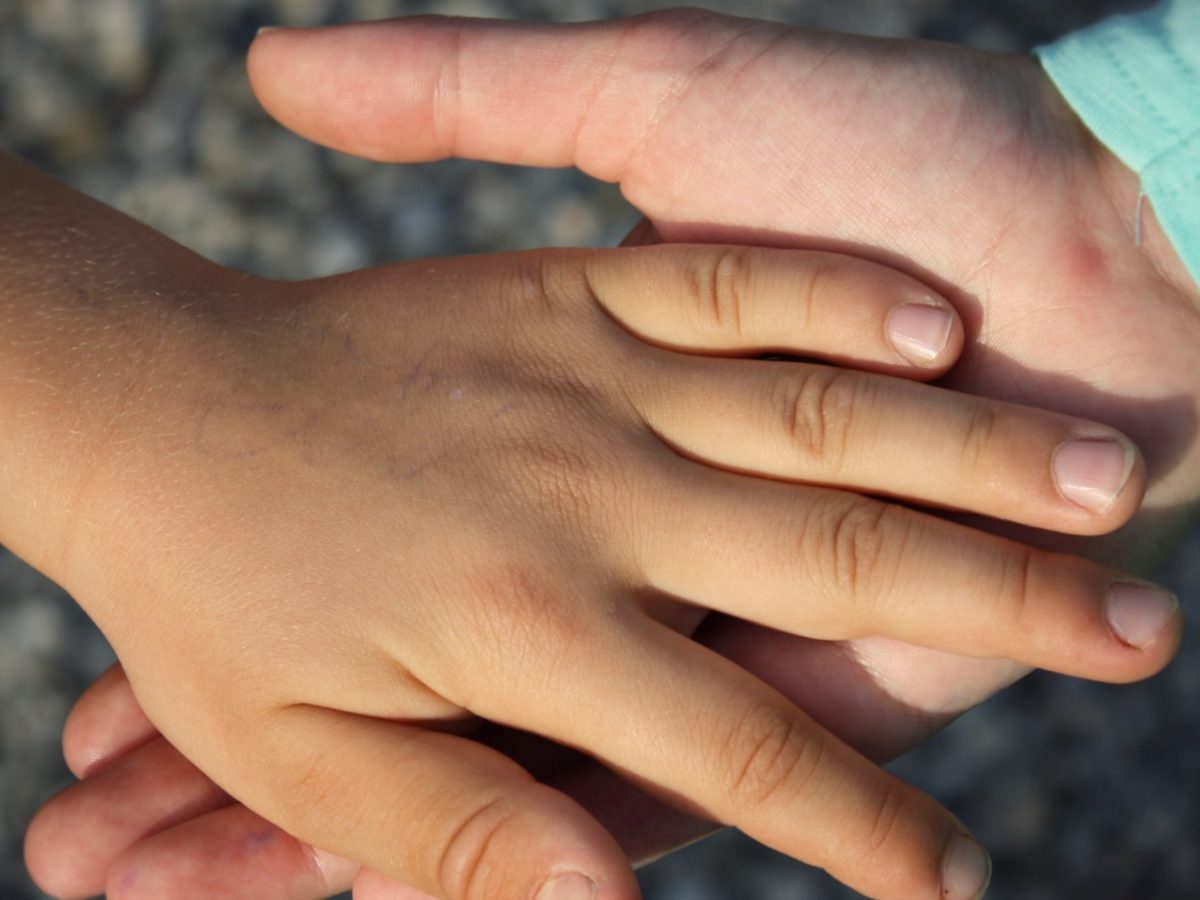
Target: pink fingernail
{"points": [[966, 869], [1092, 471], [919, 332], [1138, 613], [568, 887]]}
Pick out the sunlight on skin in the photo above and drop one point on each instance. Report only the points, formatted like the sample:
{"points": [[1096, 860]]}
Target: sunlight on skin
{"points": [[1006, 203]]}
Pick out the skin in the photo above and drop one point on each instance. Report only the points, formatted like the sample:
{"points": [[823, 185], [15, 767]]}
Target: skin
{"points": [[383, 506], [1007, 204]]}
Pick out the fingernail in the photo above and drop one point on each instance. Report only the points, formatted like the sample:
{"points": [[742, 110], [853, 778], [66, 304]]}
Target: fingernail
{"points": [[1137, 613], [568, 887], [1093, 471], [265, 29], [919, 332], [966, 869]]}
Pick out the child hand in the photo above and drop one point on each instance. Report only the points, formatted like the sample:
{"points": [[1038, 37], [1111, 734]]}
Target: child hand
{"points": [[968, 167], [326, 516]]}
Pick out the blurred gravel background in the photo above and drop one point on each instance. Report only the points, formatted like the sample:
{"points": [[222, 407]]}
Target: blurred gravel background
{"points": [[1081, 791]]}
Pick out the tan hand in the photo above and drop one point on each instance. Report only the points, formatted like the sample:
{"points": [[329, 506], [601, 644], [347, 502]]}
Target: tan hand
{"points": [[401, 497]]}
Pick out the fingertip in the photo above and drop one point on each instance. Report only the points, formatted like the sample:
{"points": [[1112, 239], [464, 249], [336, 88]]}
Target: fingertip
{"points": [[107, 722], [927, 334], [909, 845], [1100, 479], [568, 886], [1147, 622], [363, 88], [268, 41], [966, 869], [262, 60], [272, 62], [884, 320], [1091, 622], [59, 865]]}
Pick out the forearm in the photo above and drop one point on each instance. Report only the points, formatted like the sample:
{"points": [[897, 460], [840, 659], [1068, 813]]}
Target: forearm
{"points": [[88, 298]]}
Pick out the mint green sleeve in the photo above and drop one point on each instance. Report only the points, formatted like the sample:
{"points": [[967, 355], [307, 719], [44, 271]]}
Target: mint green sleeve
{"points": [[1135, 82]]}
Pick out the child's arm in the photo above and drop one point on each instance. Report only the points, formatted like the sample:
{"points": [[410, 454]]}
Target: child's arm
{"points": [[314, 519]]}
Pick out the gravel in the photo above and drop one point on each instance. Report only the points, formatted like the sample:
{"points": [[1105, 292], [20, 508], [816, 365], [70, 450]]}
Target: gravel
{"points": [[1080, 790]]}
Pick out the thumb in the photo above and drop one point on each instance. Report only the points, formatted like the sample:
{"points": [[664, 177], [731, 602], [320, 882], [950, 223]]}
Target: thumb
{"points": [[424, 88]]}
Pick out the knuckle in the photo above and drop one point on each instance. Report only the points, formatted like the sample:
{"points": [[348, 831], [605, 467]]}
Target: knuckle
{"points": [[311, 784], [467, 861], [718, 285], [684, 39], [1018, 581], [692, 27], [581, 479], [526, 625], [814, 296], [769, 758], [905, 825], [816, 405], [890, 814], [979, 435], [513, 600], [854, 546], [529, 285], [445, 102]]}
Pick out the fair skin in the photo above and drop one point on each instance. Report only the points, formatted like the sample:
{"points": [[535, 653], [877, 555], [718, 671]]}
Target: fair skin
{"points": [[1043, 247]]}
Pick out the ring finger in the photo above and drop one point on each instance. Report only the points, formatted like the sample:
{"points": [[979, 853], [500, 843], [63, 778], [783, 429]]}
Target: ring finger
{"points": [[834, 565]]}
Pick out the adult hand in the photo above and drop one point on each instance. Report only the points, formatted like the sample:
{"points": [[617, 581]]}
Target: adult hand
{"points": [[966, 167]]}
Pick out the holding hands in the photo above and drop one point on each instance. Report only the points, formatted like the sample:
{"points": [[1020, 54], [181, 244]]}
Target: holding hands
{"points": [[382, 507]]}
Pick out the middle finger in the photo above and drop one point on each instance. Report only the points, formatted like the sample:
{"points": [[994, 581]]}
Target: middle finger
{"points": [[898, 438]]}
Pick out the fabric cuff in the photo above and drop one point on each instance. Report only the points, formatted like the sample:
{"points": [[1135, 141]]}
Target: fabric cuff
{"points": [[1134, 80]]}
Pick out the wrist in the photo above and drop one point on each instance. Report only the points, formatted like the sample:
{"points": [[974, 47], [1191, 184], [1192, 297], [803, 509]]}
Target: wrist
{"points": [[89, 302]]}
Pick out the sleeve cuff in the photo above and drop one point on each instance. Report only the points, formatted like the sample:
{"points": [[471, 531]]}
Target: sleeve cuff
{"points": [[1135, 82]]}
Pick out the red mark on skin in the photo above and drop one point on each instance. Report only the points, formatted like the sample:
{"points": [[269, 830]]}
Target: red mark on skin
{"points": [[1084, 263]]}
